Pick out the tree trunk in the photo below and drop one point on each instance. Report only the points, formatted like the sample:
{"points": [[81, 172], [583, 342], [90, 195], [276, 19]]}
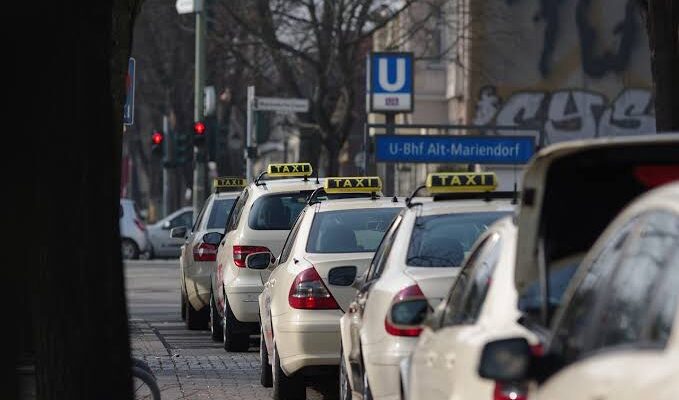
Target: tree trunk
{"points": [[72, 65], [662, 23]]}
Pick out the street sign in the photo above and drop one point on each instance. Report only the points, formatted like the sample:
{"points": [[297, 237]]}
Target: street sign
{"points": [[128, 107], [455, 149], [210, 104], [189, 6], [390, 82], [280, 104]]}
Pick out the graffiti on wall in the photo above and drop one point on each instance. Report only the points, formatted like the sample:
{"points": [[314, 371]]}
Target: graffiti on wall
{"points": [[595, 63], [568, 114]]}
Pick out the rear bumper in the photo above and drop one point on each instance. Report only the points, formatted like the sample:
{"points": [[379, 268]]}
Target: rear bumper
{"points": [[198, 290], [383, 365], [243, 300], [307, 338]]}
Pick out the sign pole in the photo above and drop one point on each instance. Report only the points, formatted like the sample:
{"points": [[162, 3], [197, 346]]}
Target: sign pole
{"points": [[198, 115], [248, 134], [389, 176]]}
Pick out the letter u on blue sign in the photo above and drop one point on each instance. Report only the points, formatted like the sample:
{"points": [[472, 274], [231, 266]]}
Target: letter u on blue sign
{"points": [[392, 73]]}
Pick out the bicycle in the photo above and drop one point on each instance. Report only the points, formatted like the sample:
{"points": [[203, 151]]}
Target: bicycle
{"points": [[143, 381]]}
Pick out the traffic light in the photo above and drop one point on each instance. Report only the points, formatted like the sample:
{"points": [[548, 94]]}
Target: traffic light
{"points": [[157, 139], [199, 132], [182, 148]]}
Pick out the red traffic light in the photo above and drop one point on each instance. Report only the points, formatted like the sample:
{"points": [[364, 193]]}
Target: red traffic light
{"points": [[199, 128], [157, 137]]}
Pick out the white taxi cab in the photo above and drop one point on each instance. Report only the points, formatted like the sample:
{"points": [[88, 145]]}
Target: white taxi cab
{"points": [[617, 313], [331, 244], [259, 222], [199, 251], [412, 270], [480, 307]]}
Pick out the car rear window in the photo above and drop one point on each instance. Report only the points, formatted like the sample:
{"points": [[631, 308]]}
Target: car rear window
{"points": [[219, 213], [277, 211], [349, 231], [445, 240]]}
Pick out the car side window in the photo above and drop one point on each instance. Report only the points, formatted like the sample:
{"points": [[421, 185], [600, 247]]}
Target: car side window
{"points": [[570, 335], [635, 281], [234, 217], [455, 304], [287, 247], [183, 219], [196, 224], [382, 253], [664, 306]]}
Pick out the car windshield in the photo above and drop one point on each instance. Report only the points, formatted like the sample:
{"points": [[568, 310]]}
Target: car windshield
{"points": [[445, 240], [219, 213], [349, 231], [277, 211]]}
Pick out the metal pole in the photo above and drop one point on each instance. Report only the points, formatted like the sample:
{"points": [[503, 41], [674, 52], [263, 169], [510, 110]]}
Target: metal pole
{"points": [[198, 115], [365, 149], [166, 172], [248, 134], [390, 167]]}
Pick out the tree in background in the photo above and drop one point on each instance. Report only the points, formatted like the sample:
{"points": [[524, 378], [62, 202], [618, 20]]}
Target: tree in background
{"points": [[662, 24], [67, 310]]}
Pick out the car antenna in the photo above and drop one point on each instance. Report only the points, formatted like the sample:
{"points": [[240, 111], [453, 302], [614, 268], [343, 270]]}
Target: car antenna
{"points": [[409, 199], [395, 199], [317, 181]]}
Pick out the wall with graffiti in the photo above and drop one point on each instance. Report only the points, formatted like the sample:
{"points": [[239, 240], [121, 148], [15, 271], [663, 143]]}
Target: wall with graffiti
{"points": [[569, 68]]}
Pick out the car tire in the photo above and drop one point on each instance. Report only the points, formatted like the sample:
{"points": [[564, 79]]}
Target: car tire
{"points": [[129, 249], [234, 338], [183, 304], [265, 372], [344, 386], [286, 387], [196, 319], [215, 321]]}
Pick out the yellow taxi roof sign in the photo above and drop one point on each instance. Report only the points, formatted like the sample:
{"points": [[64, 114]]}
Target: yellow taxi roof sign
{"points": [[228, 183], [290, 169], [461, 182], [354, 184]]}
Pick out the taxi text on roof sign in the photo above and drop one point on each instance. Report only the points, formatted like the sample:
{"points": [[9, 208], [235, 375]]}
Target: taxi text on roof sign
{"points": [[290, 169], [224, 183], [456, 182], [358, 184]]}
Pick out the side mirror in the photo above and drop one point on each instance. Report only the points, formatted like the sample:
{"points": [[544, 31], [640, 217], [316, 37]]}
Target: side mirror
{"points": [[212, 238], [259, 260], [166, 225], [506, 360], [178, 232]]}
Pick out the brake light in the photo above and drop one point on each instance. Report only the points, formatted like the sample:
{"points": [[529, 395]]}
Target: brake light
{"points": [[407, 312], [308, 292], [140, 224], [205, 252], [507, 391], [656, 175], [241, 252]]}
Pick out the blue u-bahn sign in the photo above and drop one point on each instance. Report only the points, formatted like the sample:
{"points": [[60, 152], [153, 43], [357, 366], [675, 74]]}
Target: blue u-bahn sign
{"points": [[390, 82], [454, 149], [128, 107]]}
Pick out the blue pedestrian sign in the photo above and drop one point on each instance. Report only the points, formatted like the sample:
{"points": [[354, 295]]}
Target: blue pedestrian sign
{"points": [[128, 108], [390, 83], [455, 149]]}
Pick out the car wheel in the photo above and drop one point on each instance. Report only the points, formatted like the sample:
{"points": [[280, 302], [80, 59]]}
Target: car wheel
{"points": [[345, 389], [286, 387], [196, 319], [215, 321], [234, 338], [265, 373], [183, 304], [129, 249]]}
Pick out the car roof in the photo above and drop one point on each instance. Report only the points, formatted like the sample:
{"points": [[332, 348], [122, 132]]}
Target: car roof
{"points": [[463, 206], [284, 185], [359, 203]]}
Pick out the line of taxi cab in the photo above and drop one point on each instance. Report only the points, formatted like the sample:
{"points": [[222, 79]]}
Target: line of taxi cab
{"points": [[411, 272], [259, 222], [310, 286], [579, 299], [199, 251]]}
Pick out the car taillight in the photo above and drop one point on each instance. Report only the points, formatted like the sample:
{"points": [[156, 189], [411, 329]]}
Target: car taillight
{"points": [[241, 252], [308, 292], [140, 224], [407, 312], [205, 252], [509, 391]]}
